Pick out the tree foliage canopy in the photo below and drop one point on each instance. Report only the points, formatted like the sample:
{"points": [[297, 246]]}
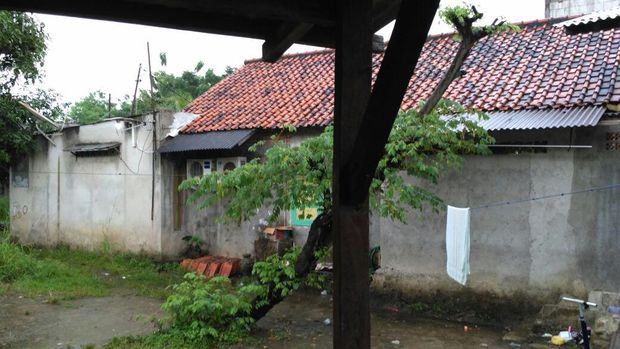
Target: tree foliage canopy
{"points": [[22, 49], [289, 177], [171, 92]]}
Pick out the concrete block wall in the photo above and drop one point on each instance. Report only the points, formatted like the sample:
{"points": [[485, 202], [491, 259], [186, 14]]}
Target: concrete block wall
{"points": [[89, 202], [569, 244], [562, 8]]}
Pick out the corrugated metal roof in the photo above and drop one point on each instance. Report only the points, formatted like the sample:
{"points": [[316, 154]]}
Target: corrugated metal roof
{"points": [[83, 148], [216, 140], [610, 16], [543, 118]]}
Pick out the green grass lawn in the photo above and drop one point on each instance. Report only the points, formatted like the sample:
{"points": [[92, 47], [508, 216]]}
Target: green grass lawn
{"points": [[63, 273]]}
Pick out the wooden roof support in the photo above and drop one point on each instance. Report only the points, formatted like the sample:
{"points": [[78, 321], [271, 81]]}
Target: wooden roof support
{"points": [[305, 11], [350, 227], [389, 89], [362, 124], [288, 33]]}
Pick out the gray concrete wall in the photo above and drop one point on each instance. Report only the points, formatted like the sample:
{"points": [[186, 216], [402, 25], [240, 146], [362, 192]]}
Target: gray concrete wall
{"points": [[93, 201], [230, 239], [569, 244], [561, 8]]}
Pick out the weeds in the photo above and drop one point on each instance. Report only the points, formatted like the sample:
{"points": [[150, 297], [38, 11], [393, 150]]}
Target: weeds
{"points": [[5, 212], [63, 273]]}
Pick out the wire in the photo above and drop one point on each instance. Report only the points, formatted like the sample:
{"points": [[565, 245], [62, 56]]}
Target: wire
{"points": [[102, 174], [518, 201], [130, 170]]}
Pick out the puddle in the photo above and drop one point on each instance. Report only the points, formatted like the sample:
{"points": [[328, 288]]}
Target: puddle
{"points": [[298, 322], [30, 323]]}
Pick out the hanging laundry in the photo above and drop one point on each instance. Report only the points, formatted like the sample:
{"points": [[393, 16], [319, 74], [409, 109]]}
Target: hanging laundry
{"points": [[457, 243]]}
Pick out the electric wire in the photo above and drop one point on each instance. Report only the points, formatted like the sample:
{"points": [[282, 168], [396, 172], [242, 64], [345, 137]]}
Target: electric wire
{"points": [[544, 197]]}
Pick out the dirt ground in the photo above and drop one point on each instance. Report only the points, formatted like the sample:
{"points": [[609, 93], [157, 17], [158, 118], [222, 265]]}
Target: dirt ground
{"points": [[31, 323], [298, 322]]}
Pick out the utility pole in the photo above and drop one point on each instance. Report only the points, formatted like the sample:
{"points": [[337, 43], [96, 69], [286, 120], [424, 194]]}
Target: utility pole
{"points": [[135, 91], [148, 53], [109, 105]]}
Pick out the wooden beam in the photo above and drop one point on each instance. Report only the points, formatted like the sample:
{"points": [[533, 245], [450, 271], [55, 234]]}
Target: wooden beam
{"points": [[351, 225], [406, 43], [383, 12], [131, 12], [322, 12], [288, 33]]}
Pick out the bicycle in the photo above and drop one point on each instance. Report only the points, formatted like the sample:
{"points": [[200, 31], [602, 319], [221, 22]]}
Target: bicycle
{"points": [[584, 337]]}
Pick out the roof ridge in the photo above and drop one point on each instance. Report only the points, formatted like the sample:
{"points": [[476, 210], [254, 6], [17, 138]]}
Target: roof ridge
{"points": [[526, 70], [530, 23], [293, 55]]}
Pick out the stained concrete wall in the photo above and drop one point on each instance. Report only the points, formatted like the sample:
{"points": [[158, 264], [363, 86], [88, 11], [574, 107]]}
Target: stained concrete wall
{"points": [[92, 200], [561, 8], [569, 244], [231, 239]]}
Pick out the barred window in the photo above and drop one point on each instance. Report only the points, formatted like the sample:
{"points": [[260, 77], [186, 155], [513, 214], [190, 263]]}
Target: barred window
{"points": [[613, 141]]}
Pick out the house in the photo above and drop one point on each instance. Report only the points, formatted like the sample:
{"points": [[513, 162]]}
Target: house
{"points": [[553, 105], [91, 186], [552, 101]]}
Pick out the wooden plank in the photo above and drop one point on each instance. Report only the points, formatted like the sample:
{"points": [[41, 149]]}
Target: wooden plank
{"points": [[322, 12], [383, 12], [245, 18], [352, 89], [408, 37], [153, 15], [288, 33]]}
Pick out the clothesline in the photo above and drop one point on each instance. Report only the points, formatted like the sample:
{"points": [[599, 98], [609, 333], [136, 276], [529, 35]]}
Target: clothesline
{"points": [[518, 201]]}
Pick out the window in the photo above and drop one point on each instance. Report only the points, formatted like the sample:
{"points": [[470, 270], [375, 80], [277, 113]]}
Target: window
{"points": [[613, 141], [20, 174]]}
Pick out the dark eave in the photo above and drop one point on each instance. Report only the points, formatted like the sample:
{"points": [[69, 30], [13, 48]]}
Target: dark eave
{"points": [[280, 23]]}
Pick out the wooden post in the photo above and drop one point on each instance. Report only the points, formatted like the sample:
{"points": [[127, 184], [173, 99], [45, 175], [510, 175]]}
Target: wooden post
{"points": [[353, 78]]}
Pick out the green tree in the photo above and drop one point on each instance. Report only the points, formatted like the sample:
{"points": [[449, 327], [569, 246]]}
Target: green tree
{"points": [[171, 92], [92, 108], [22, 51], [19, 128], [424, 143]]}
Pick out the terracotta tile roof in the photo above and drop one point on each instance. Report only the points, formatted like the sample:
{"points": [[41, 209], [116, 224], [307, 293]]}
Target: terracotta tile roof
{"points": [[538, 67]]}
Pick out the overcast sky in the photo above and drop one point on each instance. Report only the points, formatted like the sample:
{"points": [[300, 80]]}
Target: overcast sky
{"points": [[87, 55]]}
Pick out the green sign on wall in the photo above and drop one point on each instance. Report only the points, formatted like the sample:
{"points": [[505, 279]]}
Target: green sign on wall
{"points": [[304, 217]]}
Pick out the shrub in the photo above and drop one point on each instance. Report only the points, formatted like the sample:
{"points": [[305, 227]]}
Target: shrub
{"points": [[213, 311]]}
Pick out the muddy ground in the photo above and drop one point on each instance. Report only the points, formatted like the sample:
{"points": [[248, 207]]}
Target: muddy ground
{"points": [[298, 322], [32, 323]]}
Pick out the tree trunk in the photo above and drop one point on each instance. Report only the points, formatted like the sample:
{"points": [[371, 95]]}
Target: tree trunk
{"points": [[319, 236], [453, 71]]}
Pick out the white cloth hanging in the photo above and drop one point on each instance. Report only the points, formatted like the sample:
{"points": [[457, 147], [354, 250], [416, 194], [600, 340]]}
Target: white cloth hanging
{"points": [[457, 244]]}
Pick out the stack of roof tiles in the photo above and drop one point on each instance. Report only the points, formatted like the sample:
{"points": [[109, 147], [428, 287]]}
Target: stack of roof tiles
{"points": [[538, 67], [211, 266]]}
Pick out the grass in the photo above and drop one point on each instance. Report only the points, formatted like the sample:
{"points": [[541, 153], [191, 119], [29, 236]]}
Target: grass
{"points": [[4, 211], [62, 273], [173, 340]]}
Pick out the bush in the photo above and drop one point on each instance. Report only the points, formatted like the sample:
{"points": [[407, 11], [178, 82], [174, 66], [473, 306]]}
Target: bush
{"points": [[213, 311]]}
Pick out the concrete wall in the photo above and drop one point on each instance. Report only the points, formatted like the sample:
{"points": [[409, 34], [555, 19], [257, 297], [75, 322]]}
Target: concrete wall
{"points": [[561, 8], [569, 244], [89, 201], [232, 240]]}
